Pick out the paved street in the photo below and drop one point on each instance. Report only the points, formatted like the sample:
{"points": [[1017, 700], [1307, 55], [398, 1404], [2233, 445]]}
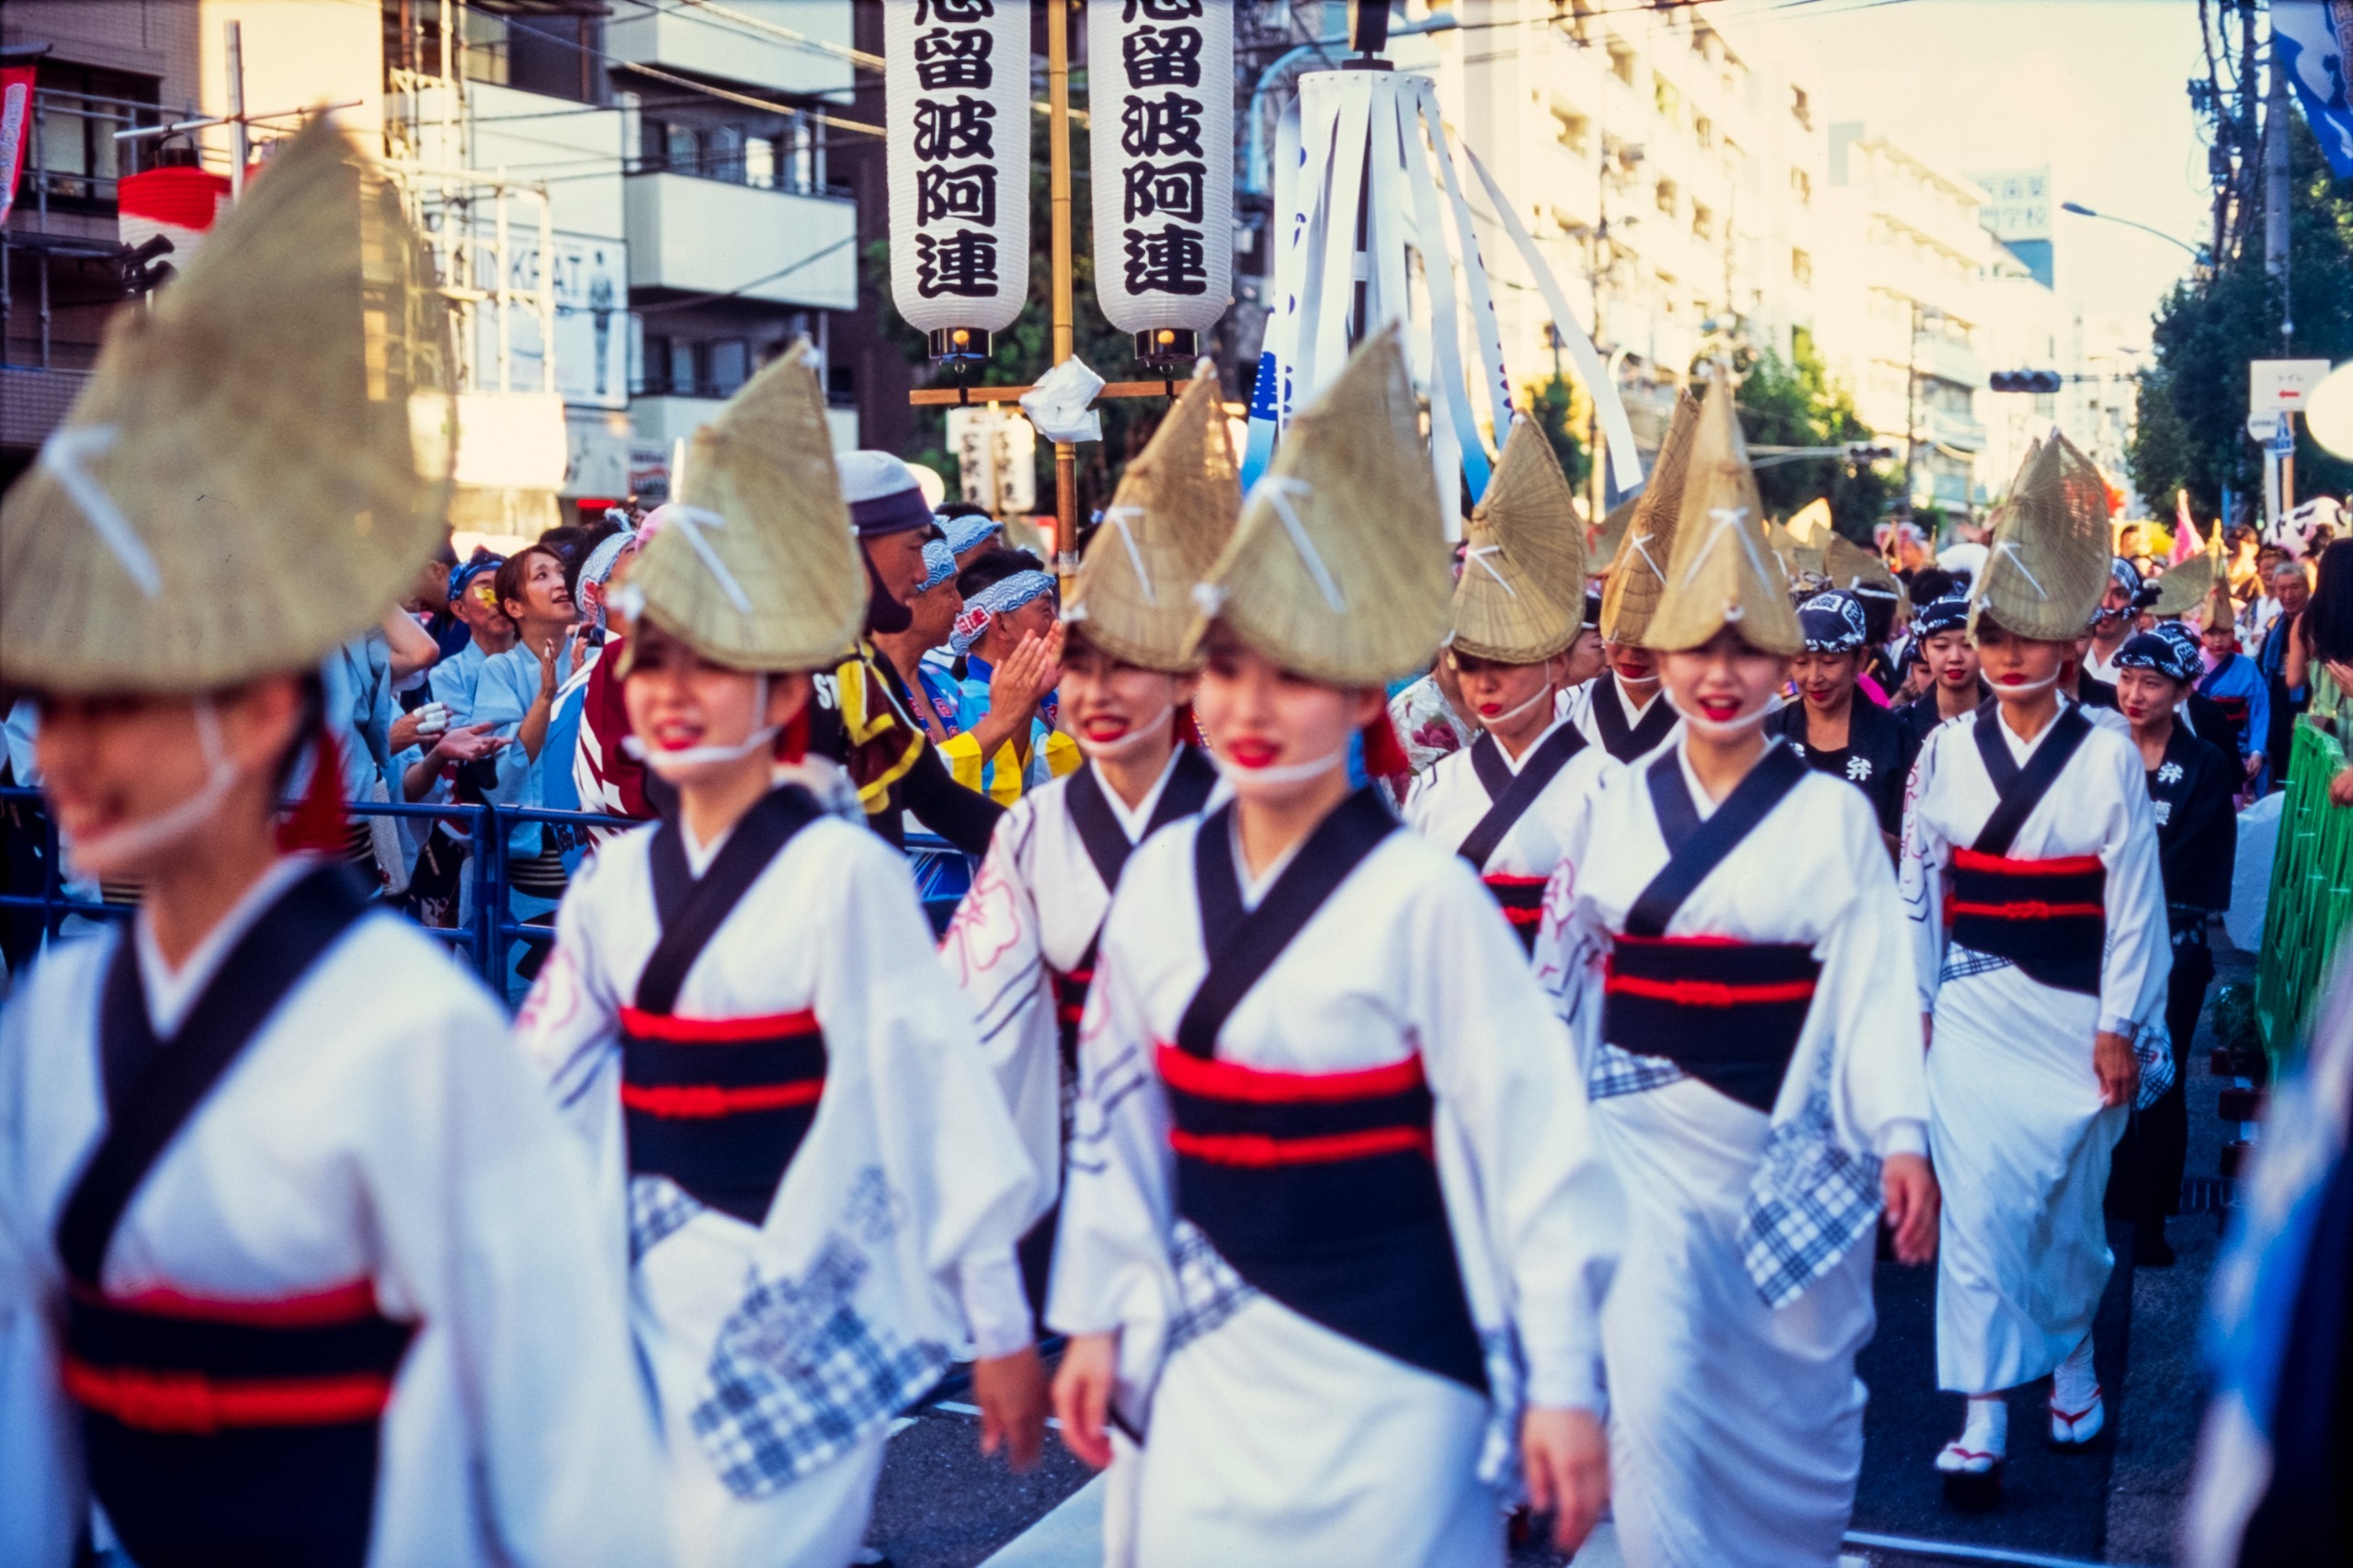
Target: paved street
{"points": [[942, 1507]]}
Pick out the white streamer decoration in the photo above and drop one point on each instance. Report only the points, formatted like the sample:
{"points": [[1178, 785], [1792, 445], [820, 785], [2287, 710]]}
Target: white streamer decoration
{"points": [[1161, 98], [956, 76]]}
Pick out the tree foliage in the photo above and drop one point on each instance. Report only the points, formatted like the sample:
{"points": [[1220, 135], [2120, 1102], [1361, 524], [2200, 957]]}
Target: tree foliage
{"points": [[2192, 429], [1560, 410], [1793, 403]]}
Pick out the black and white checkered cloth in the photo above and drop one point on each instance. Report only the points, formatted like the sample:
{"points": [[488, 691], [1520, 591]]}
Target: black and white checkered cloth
{"points": [[1616, 1070], [798, 1378], [2153, 1048], [658, 1208], [1811, 1200], [1961, 962], [1208, 1289]]}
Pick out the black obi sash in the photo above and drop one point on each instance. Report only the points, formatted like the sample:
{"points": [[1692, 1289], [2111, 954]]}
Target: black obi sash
{"points": [[2049, 917], [1320, 1189], [220, 1431], [1728, 1013], [1107, 846], [718, 1105], [1625, 742], [1511, 794]]}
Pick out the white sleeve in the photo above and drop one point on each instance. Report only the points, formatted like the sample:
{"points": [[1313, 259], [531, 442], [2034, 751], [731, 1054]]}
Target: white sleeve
{"points": [[1112, 1269], [1881, 1088], [949, 1146], [2139, 962], [993, 956], [1922, 874], [502, 707], [42, 1499], [569, 1025], [1505, 1074], [488, 1226], [1569, 952]]}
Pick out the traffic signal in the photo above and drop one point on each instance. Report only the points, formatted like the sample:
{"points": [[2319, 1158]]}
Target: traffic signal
{"points": [[2026, 380]]}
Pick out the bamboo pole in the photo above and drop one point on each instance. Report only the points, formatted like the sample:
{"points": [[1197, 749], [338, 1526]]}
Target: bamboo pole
{"points": [[1064, 318]]}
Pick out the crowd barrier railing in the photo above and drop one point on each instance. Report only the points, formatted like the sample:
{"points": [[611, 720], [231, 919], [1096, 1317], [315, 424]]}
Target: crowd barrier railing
{"points": [[2312, 890], [486, 939]]}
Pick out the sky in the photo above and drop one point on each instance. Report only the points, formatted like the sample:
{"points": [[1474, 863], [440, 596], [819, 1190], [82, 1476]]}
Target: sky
{"points": [[2093, 87]]}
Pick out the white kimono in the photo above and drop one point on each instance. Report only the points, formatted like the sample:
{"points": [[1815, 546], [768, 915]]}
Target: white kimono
{"points": [[1449, 800], [1031, 913], [1271, 1438], [1578, 702], [779, 1352], [2020, 1138], [380, 1127], [1736, 1423]]}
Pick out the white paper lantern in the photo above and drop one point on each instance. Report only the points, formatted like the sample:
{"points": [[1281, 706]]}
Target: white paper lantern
{"points": [[956, 76], [2328, 411], [1160, 93]]}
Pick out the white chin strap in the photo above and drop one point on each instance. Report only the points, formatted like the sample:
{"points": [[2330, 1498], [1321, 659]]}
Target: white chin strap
{"points": [[1246, 778], [1137, 735], [111, 850], [1720, 729], [1650, 679], [1543, 694], [2024, 687], [676, 765]]}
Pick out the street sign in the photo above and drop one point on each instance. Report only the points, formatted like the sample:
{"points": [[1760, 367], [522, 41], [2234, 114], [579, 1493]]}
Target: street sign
{"points": [[2281, 385], [2283, 439], [2263, 425]]}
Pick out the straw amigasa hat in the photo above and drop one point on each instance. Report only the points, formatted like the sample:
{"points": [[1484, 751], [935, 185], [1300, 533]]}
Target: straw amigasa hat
{"points": [[757, 568], [2219, 607], [2181, 590], [1174, 511], [2048, 564], [1723, 571], [1610, 537], [1521, 595], [1338, 570], [260, 462], [1858, 571], [1636, 571]]}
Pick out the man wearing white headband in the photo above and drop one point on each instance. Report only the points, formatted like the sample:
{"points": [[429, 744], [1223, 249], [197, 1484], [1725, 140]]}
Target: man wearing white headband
{"points": [[794, 1127], [1009, 644], [300, 1265]]}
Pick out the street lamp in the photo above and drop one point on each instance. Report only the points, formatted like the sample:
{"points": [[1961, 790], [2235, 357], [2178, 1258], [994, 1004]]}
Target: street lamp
{"points": [[2195, 253]]}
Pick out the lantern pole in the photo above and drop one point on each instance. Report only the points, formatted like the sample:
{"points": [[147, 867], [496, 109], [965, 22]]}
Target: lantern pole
{"points": [[1064, 318]]}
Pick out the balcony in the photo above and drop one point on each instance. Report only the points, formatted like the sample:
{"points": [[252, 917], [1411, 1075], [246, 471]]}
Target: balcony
{"points": [[1962, 432], [708, 236], [1938, 358], [677, 39], [662, 420]]}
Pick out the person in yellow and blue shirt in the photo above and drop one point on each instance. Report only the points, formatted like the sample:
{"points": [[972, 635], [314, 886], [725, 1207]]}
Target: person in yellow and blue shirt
{"points": [[1009, 641]]}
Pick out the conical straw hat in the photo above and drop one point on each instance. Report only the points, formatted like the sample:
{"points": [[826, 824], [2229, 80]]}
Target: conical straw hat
{"points": [[1723, 571], [1174, 511], [757, 568], [1630, 598], [2220, 608], [1338, 571], [2184, 588], [259, 464], [1858, 571], [1612, 535], [1811, 523], [1521, 595], [2049, 563]]}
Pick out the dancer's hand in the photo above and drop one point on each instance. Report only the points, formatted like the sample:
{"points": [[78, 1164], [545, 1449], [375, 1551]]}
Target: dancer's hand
{"points": [[1011, 1392], [1908, 1187], [2118, 1069], [1567, 1463], [1083, 1394]]}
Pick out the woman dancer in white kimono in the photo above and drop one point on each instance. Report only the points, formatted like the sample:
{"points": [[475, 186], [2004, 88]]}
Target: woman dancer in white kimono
{"points": [[1501, 801], [1619, 709], [1023, 944], [2030, 874], [296, 1266], [1720, 936], [799, 1144], [1331, 1178]]}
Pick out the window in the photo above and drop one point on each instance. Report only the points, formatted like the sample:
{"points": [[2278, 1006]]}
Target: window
{"points": [[1665, 100], [1703, 222], [1576, 131], [1800, 108], [1667, 193], [841, 386], [1801, 188], [780, 153], [1621, 61], [73, 149], [1801, 268], [1704, 128], [534, 52]]}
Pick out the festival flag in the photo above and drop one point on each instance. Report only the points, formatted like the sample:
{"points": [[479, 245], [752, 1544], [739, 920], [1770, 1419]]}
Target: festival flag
{"points": [[2186, 541], [15, 130]]}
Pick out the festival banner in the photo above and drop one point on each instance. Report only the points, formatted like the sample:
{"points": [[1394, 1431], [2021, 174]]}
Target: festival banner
{"points": [[956, 79], [15, 131], [2314, 38], [1160, 77]]}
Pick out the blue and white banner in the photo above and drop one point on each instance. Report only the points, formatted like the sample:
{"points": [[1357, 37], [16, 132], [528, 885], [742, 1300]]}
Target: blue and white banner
{"points": [[2314, 38]]}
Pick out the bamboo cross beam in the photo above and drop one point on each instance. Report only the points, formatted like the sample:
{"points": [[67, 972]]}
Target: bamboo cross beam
{"points": [[965, 397]]}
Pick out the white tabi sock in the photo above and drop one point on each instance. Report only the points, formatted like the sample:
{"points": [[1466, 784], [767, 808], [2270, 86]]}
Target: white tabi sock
{"points": [[1987, 1428], [2075, 1384]]}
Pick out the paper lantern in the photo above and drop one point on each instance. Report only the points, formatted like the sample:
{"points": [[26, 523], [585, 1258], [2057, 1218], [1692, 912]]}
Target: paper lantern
{"points": [[956, 79], [1160, 95], [2328, 411]]}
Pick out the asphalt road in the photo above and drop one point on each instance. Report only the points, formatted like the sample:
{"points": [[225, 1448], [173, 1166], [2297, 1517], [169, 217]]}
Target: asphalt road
{"points": [[941, 1505]]}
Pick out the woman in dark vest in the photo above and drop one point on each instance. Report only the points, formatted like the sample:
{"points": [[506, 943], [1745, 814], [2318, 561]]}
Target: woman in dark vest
{"points": [[1836, 730]]}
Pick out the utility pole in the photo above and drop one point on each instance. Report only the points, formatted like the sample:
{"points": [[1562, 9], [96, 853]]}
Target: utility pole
{"points": [[1064, 314], [2277, 260]]}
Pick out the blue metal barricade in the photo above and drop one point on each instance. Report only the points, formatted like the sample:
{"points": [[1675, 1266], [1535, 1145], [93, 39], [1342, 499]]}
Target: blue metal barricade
{"points": [[941, 872]]}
